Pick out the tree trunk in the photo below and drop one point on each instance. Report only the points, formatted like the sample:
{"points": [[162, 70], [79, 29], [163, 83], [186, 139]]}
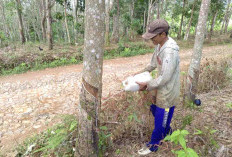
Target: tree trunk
{"points": [[190, 22], [90, 96], [21, 28], [144, 21], [225, 16], [66, 21], [49, 25], [5, 24], [129, 30], [181, 21], [165, 8], [212, 24], [158, 9], [76, 21], [150, 12], [227, 20], [115, 34], [27, 34], [43, 19], [107, 33], [162, 7], [194, 68]]}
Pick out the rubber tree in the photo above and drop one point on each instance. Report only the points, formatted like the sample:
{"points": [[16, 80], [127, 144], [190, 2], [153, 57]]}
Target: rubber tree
{"points": [[21, 28], [49, 24], [43, 18], [225, 16], [4, 20], [194, 68], [91, 88], [150, 12], [115, 33], [190, 21], [216, 8], [108, 7], [227, 20], [158, 9], [66, 20], [182, 19]]}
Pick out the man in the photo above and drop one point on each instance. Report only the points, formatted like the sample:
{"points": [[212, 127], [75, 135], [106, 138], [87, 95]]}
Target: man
{"points": [[167, 84]]}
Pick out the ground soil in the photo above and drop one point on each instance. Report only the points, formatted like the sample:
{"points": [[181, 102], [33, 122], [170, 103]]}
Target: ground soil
{"points": [[31, 102]]}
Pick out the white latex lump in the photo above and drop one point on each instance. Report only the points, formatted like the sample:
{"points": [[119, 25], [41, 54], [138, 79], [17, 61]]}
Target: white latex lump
{"points": [[130, 83]]}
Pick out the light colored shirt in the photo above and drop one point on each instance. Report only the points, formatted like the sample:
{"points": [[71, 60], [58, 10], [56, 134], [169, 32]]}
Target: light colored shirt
{"points": [[166, 59]]}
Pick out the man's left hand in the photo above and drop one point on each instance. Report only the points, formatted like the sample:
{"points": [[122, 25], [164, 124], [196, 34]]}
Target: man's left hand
{"points": [[142, 86]]}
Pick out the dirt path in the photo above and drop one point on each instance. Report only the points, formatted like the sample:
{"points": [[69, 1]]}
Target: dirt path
{"points": [[30, 102]]}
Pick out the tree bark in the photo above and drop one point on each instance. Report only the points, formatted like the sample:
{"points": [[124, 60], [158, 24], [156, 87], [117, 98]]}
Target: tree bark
{"points": [[66, 21], [129, 30], [49, 25], [144, 21], [90, 96], [194, 68], [190, 22], [225, 16], [181, 21], [150, 12], [76, 21], [5, 25], [212, 24], [21, 28], [158, 9], [227, 20], [115, 34], [43, 19], [108, 7]]}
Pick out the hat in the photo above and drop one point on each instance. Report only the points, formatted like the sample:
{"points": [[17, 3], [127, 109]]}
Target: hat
{"points": [[156, 27]]}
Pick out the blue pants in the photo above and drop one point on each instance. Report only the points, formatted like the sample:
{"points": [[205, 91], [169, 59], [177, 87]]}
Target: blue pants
{"points": [[162, 120]]}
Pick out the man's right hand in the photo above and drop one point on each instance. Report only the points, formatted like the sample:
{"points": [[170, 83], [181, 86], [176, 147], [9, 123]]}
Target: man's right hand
{"points": [[142, 86]]}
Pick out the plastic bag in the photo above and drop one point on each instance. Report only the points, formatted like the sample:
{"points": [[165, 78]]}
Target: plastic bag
{"points": [[130, 83]]}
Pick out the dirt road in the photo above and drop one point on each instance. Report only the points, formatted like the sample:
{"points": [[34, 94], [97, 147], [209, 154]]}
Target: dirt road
{"points": [[30, 102]]}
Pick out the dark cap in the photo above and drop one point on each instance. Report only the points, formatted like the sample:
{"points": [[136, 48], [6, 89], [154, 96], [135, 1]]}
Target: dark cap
{"points": [[156, 27]]}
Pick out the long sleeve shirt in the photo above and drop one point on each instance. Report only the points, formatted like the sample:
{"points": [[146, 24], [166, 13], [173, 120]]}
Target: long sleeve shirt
{"points": [[166, 60]]}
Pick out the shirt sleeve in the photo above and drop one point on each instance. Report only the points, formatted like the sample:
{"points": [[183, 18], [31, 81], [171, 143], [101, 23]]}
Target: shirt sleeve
{"points": [[152, 65], [169, 64]]}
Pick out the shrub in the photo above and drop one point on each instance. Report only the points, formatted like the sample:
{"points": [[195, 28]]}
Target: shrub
{"points": [[213, 75]]}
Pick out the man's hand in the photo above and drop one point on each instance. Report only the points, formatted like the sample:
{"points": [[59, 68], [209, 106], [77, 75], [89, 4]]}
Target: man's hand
{"points": [[142, 86]]}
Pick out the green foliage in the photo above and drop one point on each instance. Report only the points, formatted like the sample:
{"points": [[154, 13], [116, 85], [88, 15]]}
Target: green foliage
{"points": [[59, 16], [103, 140], [187, 121], [55, 140], [127, 50], [208, 134], [229, 105], [178, 137], [23, 67], [133, 117], [190, 104]]}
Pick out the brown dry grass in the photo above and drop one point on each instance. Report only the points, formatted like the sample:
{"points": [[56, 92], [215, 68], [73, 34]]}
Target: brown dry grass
{"points": [[129, 134]]}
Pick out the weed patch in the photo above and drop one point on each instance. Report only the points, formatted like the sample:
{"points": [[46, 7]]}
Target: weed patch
{"points": [[56, 141], [214, 75]]}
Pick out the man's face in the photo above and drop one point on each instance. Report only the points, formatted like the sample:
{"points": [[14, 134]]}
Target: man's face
{"points": [[158, 38]]}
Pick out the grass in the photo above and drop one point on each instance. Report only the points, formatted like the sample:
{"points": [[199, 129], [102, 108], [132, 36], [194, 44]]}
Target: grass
{"points": [[23, 59], [23, 67], [56, 141]]}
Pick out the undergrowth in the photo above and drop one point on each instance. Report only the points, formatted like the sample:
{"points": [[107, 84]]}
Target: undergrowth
{"points": [[56, 141], [12, 62], [126, 121], [214, 75]]}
